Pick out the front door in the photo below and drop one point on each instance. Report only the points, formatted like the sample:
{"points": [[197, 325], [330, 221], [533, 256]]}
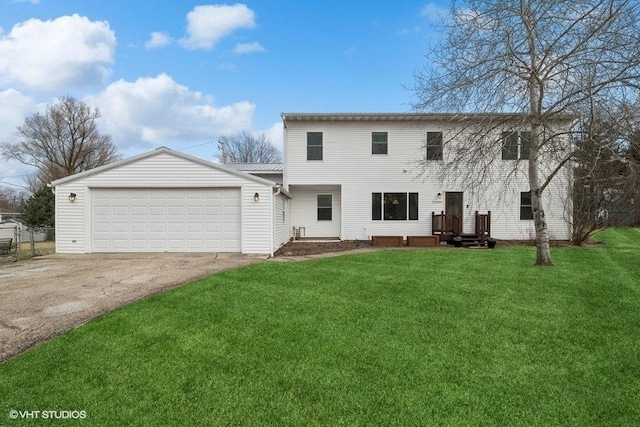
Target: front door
{"points": [[453, 210]]}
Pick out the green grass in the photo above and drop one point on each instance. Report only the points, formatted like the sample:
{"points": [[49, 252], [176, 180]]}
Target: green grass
{"points": [[412, 337]]}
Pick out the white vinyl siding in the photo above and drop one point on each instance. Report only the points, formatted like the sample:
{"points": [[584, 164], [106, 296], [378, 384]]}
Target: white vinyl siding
{"points": [[163, 170], [304, 211], [281, 221], [348, 165]]}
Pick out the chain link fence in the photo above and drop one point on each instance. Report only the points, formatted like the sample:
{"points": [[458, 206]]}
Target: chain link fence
{"points": [[18, 241]]}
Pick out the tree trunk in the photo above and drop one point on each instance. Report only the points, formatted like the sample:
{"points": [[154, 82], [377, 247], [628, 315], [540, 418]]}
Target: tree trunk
{"points": [[543, 253]]}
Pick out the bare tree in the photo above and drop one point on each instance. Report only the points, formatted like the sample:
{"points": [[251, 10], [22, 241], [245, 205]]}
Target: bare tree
{"points": [[244, 147], [63, 141], [11, 200], [543, 60], [606, 172]]}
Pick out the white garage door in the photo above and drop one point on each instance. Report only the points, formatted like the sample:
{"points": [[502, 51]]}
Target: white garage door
{"points": [[165, 220]]}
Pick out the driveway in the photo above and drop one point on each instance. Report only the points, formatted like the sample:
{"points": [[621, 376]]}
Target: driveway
{"points": [[46, 296]]}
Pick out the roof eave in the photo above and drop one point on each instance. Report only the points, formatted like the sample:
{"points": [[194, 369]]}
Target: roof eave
{"points": [[156, 152], [407, 117]]}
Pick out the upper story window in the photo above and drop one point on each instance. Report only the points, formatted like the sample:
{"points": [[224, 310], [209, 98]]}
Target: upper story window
{"points": [[516, 145], [379, 142], [434, 145], [526, 209], [394, 206], [314, 145]]}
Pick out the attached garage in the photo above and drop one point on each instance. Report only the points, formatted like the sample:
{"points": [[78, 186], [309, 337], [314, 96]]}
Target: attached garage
{"points": [[171, 220], [165, 201]]}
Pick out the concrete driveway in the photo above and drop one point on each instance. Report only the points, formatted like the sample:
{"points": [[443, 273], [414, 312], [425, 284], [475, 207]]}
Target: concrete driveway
{"points": [[46, 296]]}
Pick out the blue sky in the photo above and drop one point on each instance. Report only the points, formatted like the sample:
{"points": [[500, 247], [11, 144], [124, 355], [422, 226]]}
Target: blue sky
{"points": [[182, 73]]}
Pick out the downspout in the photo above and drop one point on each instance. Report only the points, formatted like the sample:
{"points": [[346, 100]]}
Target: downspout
{"points": [[273, 218], [55, 214]]}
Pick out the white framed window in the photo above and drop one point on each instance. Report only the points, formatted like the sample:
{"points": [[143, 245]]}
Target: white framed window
{"points": [[324, 204], [526, 208], [379, 143], [314, 145], [434, 145], [516, 145]]}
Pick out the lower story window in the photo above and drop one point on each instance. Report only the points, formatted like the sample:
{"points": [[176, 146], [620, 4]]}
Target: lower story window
{"points": [[325, 207], [394, 206], [526, 210]]}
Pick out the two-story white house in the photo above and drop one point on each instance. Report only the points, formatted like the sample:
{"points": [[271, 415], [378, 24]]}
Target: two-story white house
{"points": [[354, 176], [345, 176]]}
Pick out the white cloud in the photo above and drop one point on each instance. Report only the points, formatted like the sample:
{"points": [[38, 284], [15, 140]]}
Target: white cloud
{"points": [[206, 25], [226, 66], [254, 47], [407, 32], [275, 134], [157, 110], [351, 51], [433, 13], [66, 53], [14, 108], [158, 40]]}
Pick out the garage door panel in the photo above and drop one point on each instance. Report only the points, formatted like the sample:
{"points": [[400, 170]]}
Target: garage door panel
{"points": [[139, 244], [231, 210], [176, 228], [120, 244], [194, 210], [120, 227], [139, 227], [100, 245], [195, 227], [158, 220], [157, 245], [213, 210], [139, 210], [157, 211], [176, 211], [101, 210], [158, 227], [120, 211]]}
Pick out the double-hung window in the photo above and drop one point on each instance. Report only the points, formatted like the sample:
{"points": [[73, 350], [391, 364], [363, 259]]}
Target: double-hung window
{"points": [[516, 145], [379, 142], [434, 145], [325, 207], [314, 145], [526, 209], [394, 206]]}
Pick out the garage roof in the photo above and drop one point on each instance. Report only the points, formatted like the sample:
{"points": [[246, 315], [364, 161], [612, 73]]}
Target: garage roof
{"points": [[158, 151]]}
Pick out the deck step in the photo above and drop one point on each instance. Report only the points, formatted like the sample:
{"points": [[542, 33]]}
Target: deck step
{"points": [[471, 240]]}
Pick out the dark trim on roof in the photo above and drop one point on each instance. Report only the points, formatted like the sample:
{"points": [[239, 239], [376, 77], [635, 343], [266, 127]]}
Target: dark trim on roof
{"points": [[407, 117]]}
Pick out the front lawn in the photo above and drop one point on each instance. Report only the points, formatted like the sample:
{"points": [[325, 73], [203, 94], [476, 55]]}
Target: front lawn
{"points": [[410, 337]]}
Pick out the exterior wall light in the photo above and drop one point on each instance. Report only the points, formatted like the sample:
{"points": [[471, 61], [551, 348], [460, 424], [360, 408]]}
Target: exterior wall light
{"points": [[72, 197], [439, 196], [256, 197]]}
